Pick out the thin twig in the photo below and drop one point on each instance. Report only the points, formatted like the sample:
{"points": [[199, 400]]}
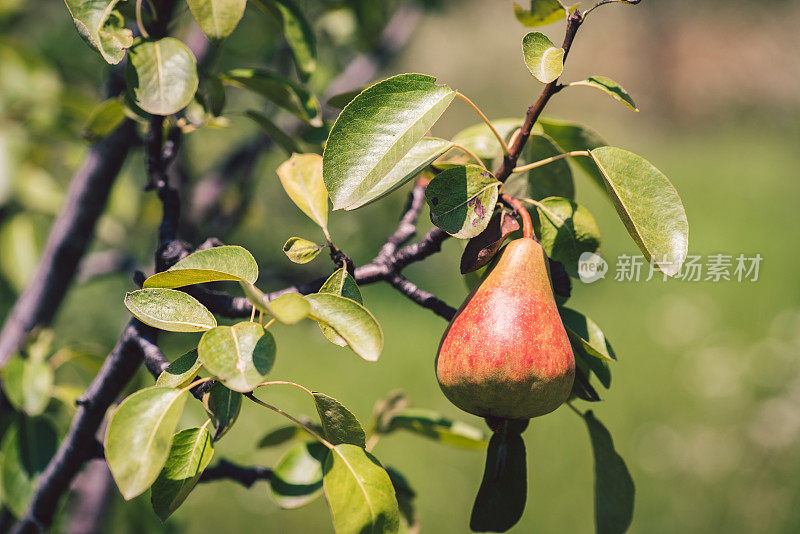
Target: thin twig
{"points": [[486, 120]]}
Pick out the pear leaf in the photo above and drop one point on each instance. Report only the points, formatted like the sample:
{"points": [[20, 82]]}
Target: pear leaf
{"points": [[300, 250], [28, 384], [285, 434], [570, 137], [352, 321], [482, 248], [301, 177], [283, 92], [551, 180], [298, 33], [376, 130], [223, 406], [481, 140], [611, 88], [103, 120], [587, 332], [161, 75], [648, 205], [541, 13], [170, 310], [211, 265], [139, 436], [278, 136], [180, 372], [297, 477], [217, 18], [462, 200], [339, 425], [289, 308], [544, 60], [102, 27], [405, 500], [566, 231], [339, 283], [240, 356], [436, 426]]}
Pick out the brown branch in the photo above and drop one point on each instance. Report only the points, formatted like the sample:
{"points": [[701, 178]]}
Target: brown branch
{"points": [[246, 476]]}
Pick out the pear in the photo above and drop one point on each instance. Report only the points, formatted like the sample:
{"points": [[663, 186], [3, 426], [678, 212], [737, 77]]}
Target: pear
{"points": [[506, 353]]}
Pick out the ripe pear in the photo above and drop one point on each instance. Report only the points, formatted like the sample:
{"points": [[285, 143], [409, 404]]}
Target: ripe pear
{"points": [[506, 353]]}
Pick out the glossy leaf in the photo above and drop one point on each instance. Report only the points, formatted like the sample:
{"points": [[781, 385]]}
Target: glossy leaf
{"points": [[614, 490], [541, 13], [297, 477], [376, 130], [611, 88], [359, 492], [240, 356], [301, 177], [139, 436], [211, 265], [462, 200], [436, 426], [420, 156], [161, 75], [570, 137], [217, 18], [28, 446], [298, 32], [551, 180], [189, 455], [170, 310], [289, 308], [28, 384], [300, 250], [648, 205], [102, 27], [544, 60], [223, 406], [482, 141], [501, 497], [339, 283], [281, 138], [283, 92], [181, 371], [586, 331], [482, 248], [566, 230], [352, 321], [339, 425], [103, 119]]}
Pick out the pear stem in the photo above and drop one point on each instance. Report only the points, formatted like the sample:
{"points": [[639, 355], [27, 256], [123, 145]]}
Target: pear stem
{"points": [[527, 225]]}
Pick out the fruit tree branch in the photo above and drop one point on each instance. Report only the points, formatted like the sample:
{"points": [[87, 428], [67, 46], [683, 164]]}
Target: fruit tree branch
{"points": [[246, 476]]}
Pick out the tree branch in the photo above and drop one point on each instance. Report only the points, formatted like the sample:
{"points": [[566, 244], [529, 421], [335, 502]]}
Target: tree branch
{"points": [[246, 476]]}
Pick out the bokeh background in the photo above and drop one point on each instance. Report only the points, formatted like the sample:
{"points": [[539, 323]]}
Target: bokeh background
{"points": [[705, 399]]}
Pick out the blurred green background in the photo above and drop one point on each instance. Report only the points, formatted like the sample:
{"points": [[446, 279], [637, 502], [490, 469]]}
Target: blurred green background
{"points": [[705, 399]]}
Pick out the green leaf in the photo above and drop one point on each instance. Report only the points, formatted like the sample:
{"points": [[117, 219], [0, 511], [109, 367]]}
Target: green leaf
{"points": [[223, 405], [211, 265], [180, 372], [405, 495], [301, 250], [139, 436], [21, 245], [613, 486], [503, 492], [28, 384], [240, 356], [28, 446], [301, 177], [217, 18], [550, 180], [376, 130], [566, 230], [298, 33], [289, 308], [352, 321], [103, 119], [359, 492], [211, 94], [462, 200], [482, 141], [611, 88], [284, 434], [283, 92], [541, 13], [102, 27], [571, 137], [342, 99], [297, 477], [170, 310], [544, 60], [649, 206], [339, 283], [586, 331], [589, 364], [161, 75], [339, 425], [420, 156], [189, 455], [273, 131], [436, 426]]}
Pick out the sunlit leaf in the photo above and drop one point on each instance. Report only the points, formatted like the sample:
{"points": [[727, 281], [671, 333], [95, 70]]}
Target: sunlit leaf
{"points": [[462, 200], [297, 477], [339, 425], [181, 371], [301, 177], [376, 130], [211, 265], [566, 230], [289, 308], [611, 88], [102, 27], [161, 75], [339, 283], [300, 250], [217, 18], [170, 310], [541, 13], [649, 206], [359, 492], [282, 91], [352, 321], [240, 356], [189, 455], [544, 60], [223, 406], [436, 426], [139, 436], [482, 141]]}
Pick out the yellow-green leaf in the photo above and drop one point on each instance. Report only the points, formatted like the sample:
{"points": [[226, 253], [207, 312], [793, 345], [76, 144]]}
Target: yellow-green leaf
{"points": [[301, 177], [544, 60]]}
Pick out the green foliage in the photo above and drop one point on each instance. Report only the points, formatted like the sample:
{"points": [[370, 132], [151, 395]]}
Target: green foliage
{"points": [[28, 384], [297, 476], [544, 60], [301, 177], [436, 426], [551, 180], [283, 92], [481, 140], [27, 447], [342, 284], [301, 250], [223, 406], [102, 27], [566, 230], [339, 425], [240, 356], [587, 333], [569, 137], [161, 75], [104, 119], [351, 321], [217, 18], [170, 310], [211, 265], [462, 200], [541, 13], [611, 88], [180, 372], [298, 32]]}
